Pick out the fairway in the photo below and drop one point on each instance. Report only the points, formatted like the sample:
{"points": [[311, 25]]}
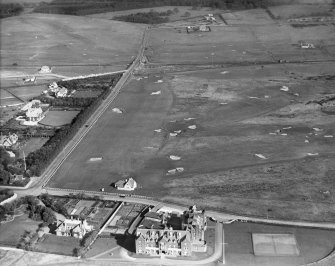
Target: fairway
{"points": [[124, 141], [72, 45], [217, 146], [245, 135]]}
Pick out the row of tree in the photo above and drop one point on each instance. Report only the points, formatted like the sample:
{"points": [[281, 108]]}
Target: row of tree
{"points": [[36, 211], [9, 166], [51, 203], [11, 9], [84, 7], [38, 160]]}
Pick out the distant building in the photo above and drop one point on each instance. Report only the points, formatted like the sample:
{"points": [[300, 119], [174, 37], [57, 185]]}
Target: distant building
{"points": [[126, 184], [11, 154], [62, 92], [30, 79], [73, 227], [45, 69], [34, 114], [30, 104], [53, 86], [210, 17], [16, 178], [8, 141], [162, 234], [202, 28], [306, 45]]}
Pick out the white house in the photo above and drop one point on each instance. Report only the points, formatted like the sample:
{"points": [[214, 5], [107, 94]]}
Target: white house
{"points": [[8, 141], [34, 114], [30, 79], [126, 184], [45, 69], [53, 86], [73, 227], [62, 92]]}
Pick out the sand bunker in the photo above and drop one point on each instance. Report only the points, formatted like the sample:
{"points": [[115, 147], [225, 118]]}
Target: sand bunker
{"points": [[260, 156], [117, 110], [174, 157], [156, 93]]}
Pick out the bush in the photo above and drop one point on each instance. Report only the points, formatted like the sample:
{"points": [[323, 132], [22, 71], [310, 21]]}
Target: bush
{"points": [[8, 10], [38, 160]]}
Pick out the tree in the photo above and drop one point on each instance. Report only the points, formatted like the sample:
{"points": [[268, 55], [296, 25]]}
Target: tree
{"points": [[4, 177], [48, 216], [187, 14], [176, 10]]}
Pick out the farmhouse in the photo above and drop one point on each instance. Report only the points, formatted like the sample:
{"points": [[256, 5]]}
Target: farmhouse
{"points": [[202, 28], [62, 92], [126, 184], [73, 227], [173, 235], [34, 114], [29, 79], [210, 18], [306, 45], [53, 86], [8, 141], [45, 69], [16, 178]]}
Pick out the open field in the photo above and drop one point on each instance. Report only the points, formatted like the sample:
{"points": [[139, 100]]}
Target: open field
{"points": [[58, 118], [245, 136], [11, 233], [300, 10], [101, 245], [251, 36], [33, 40], [234, 113], [61, 245], [32, 144], [313, 245]]}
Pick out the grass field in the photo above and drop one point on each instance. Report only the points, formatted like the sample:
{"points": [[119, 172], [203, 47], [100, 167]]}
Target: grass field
{"points": [[32, 144], [251, 36], [219, 159], [313, 245], [11, 233], [225, 118], [57, 244], [58, 118], [33, 40]]}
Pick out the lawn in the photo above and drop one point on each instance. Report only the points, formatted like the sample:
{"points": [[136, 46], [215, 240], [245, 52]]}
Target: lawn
{"points": [[102, 244], [58, 118], [86, 93], [32, 144], [61, 245], [11, 233]]}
